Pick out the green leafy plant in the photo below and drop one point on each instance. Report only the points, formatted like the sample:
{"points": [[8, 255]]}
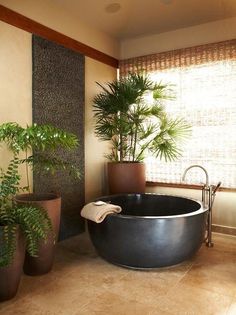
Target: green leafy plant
{"points": [[33, 221], [40, 145], [134, 125]]}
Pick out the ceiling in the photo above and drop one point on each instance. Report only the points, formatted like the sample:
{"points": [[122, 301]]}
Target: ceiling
{"points": [[145, 17]]}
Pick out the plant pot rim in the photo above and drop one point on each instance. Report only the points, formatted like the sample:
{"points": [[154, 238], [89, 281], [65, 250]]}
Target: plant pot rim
{"points": [[36, 197]]}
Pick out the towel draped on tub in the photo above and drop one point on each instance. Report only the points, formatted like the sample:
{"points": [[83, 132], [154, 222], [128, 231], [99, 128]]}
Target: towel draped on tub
{"points": [[97, 211]]}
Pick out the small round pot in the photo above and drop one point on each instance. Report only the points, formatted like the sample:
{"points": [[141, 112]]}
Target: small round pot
{"points": [[10, 276], [42, 264], [126, 177]]}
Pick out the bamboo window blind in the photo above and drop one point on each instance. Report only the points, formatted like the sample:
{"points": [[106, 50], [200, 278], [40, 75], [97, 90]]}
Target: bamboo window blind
{"points": [[204, 81]]}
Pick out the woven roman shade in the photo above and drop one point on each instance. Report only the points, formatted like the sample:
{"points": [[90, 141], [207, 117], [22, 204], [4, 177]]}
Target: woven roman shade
{"points": [[204, 82], [184, 57]]}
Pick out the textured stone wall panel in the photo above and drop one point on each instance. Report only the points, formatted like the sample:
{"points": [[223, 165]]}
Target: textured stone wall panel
{"points": [[58, 99]]}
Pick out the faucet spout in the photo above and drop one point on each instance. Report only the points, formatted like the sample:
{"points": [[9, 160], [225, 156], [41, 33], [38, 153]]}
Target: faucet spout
{"points": [[199, 166]]}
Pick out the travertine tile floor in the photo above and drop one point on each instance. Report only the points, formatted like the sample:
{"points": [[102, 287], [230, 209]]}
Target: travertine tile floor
{"points": [[81, 283]]}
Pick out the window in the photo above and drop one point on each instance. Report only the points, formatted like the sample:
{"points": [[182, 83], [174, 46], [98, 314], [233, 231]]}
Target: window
{"points": [[204, 79]]}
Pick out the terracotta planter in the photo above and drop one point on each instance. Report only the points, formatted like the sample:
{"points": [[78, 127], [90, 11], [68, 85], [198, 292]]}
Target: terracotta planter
{"points": [[42, 264], [126, 177], [10, 276]]}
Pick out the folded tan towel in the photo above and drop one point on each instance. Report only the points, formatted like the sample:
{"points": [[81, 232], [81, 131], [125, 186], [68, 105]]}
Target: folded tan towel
{"points": [[97, 211]]}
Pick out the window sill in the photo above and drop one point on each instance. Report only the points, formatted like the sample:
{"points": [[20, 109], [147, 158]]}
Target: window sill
{"points": [[186, 186]]}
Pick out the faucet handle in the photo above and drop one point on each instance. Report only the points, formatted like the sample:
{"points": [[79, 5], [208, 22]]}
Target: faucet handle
{"points": [[215, 188]]}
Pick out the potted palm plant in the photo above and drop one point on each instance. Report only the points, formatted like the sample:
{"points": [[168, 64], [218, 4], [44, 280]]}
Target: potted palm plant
{"points": [[129, 113], [20, 227], [40, 145]]}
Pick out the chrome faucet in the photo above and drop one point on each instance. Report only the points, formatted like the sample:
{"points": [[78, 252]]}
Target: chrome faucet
{"points": [[205, 189], [199, 166], [208, 196]]}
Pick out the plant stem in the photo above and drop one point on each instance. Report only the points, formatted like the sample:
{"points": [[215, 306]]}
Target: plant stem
{"points": [[135, 143], [144, 147], [121, 147], [131, 143], [121, 141], [27, 171], [136, 133]]}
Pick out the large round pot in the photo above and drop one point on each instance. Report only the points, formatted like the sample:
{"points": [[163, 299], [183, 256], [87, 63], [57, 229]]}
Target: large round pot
{"points": [[126, 177], [10, 275], [42, 264]]}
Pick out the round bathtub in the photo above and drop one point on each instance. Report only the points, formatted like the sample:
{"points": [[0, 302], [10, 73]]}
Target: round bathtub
{"points": [[153, 230]]}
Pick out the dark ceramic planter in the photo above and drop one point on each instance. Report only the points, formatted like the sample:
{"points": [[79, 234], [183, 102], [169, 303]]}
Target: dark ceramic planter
{"points": [[10, 275], [42, 264], [126, 177]]}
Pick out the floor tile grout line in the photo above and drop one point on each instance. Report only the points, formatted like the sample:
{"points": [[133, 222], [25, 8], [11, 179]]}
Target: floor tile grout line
{"points": [[180, 279]]}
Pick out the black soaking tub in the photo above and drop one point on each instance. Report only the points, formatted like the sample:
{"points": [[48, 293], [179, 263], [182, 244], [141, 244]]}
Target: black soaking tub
{"points": [[152, 231]]}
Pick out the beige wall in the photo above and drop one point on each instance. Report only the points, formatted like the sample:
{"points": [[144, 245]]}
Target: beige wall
{"points": [[50, 14], [15, 81], [181, 38], [94, 149], [15, 74]]}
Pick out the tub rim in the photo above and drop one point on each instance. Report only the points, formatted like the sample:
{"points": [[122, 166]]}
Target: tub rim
{"points": [[128, 216]]}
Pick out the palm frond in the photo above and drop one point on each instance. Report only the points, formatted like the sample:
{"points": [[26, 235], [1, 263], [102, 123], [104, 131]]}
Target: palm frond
{"points": [[178, 128], [121, 111]]}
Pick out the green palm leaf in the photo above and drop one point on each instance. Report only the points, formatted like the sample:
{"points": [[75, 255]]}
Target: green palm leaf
{"points": [[122, 112]]}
